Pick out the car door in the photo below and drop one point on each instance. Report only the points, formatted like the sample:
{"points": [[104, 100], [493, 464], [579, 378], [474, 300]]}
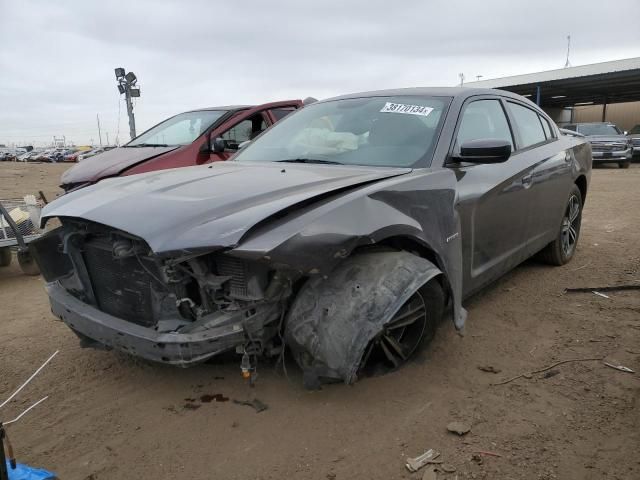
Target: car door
{"points": [[494, 200], [552, 173]]}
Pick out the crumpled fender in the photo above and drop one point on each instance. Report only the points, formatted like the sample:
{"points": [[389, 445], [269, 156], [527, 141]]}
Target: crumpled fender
{"points": [[420, 206], [333, 319]]}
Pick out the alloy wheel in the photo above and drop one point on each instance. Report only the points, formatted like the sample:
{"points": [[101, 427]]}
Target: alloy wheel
{"points": [[570, 226], [399, 338]]}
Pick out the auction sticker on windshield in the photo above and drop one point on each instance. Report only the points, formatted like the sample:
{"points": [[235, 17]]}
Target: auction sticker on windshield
{"points": [[406, 109]]}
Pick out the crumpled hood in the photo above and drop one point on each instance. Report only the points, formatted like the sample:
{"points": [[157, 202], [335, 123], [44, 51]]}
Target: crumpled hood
{"points": [[110, 163], [209, 205]]}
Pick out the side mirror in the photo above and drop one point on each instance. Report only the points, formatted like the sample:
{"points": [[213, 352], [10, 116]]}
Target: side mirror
{"points": [[484, 151], [217, 145]]}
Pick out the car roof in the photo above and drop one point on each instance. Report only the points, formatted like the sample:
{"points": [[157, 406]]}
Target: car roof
{"points": [[221, 108], [429, 92]]}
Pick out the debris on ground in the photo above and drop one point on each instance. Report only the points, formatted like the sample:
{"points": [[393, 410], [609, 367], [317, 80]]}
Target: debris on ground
{"points": [[218, 397], [446, 468], [595, 292], [429, 474], [614, 288], [530, 374], [459, 428], [415, 464], [490, 454], [622, 368], [256, 404], [550, 373], [477, 459], [489, 369]]}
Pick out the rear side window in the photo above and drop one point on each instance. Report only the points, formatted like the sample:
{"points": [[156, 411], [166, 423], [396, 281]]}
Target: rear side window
{"points": [[546, 128], [528, 123], [484, 119]]}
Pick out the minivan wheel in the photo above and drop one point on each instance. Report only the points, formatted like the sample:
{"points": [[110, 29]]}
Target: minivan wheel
{"points": [[624, 164], [562, 249], [5, 256]]}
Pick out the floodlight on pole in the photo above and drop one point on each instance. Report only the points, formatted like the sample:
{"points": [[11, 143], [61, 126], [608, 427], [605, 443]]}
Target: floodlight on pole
{"points": [[131, 78], [126, 86]]}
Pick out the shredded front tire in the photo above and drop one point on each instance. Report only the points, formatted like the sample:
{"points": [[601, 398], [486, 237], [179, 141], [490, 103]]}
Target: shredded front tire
{"points": [[333, 320]]}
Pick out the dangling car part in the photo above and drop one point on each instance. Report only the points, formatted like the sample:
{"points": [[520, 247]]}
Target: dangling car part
{"points": [[345, 230]]}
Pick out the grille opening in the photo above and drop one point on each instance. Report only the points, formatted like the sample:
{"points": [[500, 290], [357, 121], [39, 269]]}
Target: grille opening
{"points": [[122, 286]]}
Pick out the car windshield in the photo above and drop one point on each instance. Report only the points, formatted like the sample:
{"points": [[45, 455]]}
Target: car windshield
{"points": [[598, 129], [397, 131], [179, 130]]}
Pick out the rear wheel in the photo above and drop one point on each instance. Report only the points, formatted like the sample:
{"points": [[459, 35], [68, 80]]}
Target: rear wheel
{"points": [[562, 249], [624, 164], [5, 256]]}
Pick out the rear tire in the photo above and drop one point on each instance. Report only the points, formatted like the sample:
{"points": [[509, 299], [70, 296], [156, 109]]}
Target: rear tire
{"points": [[562, 249], [624, 164], [5, 256]]}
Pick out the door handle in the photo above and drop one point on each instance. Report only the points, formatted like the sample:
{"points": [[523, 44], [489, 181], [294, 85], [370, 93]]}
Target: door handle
{"points": [[527, 180]]}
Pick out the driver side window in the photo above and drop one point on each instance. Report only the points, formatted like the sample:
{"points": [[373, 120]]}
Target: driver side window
{"points": [[243, 131], [484, 119]]}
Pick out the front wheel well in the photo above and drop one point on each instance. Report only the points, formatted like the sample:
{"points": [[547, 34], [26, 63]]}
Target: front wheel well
{"points": [[412, 246], [581, 182]]}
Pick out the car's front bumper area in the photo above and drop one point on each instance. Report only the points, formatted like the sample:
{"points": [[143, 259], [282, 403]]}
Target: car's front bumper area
{"points": [[614, 156], [180, 349]]}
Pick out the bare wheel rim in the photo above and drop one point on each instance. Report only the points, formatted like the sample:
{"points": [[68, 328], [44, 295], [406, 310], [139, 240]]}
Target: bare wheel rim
{"points": [[570, 226], [399, 338]]}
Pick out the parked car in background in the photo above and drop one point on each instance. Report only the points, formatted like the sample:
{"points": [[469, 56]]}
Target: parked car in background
{"points": [[345, 230], [190, 138], [609, 144], [634, 134], [28, 157]]}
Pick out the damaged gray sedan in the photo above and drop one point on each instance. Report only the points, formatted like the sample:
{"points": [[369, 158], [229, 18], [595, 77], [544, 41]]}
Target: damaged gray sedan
{"points": [[342, 233]]}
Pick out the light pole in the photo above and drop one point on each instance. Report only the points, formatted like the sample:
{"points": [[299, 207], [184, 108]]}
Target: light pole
{"points": [[127, 85]]}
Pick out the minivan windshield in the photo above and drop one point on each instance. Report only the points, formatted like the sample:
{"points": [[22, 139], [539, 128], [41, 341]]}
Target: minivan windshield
{"points": [[598, 129], [182, 129], [397, 131]]}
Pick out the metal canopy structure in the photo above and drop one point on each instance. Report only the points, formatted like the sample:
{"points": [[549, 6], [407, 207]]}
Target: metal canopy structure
{"points": [[597, 83]]}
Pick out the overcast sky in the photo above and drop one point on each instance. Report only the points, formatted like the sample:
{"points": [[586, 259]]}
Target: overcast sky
{"points": [[57, 58]]}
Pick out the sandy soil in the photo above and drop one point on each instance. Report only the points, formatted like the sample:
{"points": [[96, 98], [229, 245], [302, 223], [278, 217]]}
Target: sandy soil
{"points": [[110, 416]]}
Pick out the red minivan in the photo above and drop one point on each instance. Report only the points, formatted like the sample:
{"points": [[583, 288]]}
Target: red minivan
{"points": [[186, 139]]}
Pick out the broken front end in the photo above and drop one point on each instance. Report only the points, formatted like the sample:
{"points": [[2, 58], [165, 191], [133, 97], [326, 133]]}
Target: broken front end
{"points": [[114, 292]]}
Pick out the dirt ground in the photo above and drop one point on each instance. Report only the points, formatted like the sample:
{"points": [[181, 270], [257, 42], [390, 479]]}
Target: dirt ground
{"points": [[110, 416]]}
